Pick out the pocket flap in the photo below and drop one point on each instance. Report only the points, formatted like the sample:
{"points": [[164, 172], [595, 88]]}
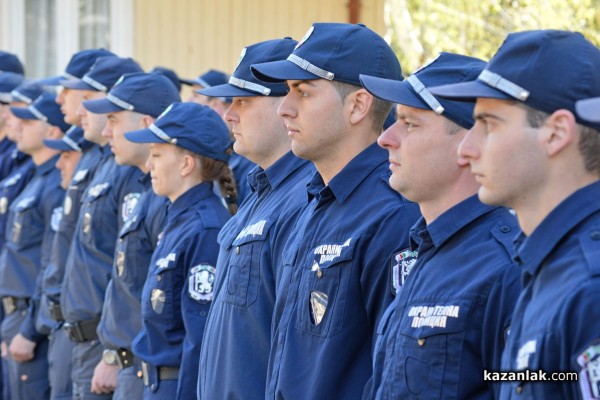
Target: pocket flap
{"points": [[253, 232], [331, 253], [422, 320]]}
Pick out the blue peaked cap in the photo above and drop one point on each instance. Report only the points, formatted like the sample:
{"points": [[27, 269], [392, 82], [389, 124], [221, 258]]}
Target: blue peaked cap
{"points": [[413, 91], [243, 83], [145, 93], [334, 51], [105, 72], [191, 126], [547, 70]]}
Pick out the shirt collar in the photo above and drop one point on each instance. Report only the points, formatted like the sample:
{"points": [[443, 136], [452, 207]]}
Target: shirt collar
{"points": [[450, 222], [188, 199], [348, 179], [145, 180], [47, 166], [259, 179], [533, 250]]}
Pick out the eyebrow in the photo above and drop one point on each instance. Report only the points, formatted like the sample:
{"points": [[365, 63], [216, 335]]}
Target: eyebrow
{"points": [[298, 83], [485, 115]]}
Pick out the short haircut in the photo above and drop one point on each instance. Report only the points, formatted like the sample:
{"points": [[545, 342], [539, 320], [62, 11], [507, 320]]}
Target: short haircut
{"points": [[379, 108]]}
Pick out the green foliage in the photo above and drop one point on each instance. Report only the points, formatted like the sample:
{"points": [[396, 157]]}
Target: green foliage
{"points": [[419, 29]]}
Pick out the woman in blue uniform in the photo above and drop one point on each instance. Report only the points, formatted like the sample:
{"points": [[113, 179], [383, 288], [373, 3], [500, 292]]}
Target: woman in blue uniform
{"points": [[190, 147]]}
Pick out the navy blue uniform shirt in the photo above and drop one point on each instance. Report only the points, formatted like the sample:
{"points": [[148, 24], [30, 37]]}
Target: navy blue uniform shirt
{"points": [[452, 310], [237, 337], [7, 161], [108, 201], [556, 323], [335, 281], [179, 288], [12, 186], [136, 243], [53, 276], [33, 219]]}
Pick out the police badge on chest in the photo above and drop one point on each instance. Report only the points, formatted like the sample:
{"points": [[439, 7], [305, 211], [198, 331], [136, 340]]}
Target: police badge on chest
{"points": [[400, 267], [201, 280]]}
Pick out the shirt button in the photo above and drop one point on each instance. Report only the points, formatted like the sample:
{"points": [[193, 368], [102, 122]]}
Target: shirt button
{"points": [[159, 278], [319, 273], [595, 235], [237, 250], [153, 387], [421, 341], [203, 313], [505, 229], [140, 374], [24, 377], [519, 389]]}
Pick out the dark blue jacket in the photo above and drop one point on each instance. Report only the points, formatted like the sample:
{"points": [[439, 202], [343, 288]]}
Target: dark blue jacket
{"points": [[107, 203], [334, 285], [556, 323], [12, 186], [453, 308], [237, 337], [33, 219], [135, 246], [55, 271]]}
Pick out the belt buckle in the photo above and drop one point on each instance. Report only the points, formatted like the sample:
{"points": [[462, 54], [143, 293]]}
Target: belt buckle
{"points": [[9, 305], [145, 374]]}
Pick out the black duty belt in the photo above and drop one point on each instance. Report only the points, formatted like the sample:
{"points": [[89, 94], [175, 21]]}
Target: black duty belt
{"points": [[125, 358], [11, 304], [83, 331]]}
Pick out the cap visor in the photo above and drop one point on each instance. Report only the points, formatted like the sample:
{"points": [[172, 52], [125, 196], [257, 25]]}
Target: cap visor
{"points": [[5, 98], [589, 109], [393, 90], [52, 81], [58, 145], [76, 84], [22, 113], [188, 82], [143, 136], [279, 71], [226, 91], [468, 91], [101, 106]]}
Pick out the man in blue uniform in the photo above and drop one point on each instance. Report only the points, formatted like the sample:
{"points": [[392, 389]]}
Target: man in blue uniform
{"points": [[23, 168], [73, 146], [531, 152], [239, 164], [334, 285], [108, 201], [589, 109], [237, 338], [33, 218], [133, 103], [454, 302], [77, 154]]}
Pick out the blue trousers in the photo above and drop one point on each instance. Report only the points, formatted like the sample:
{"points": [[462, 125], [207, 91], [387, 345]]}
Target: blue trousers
{"points": [[85, 358], [59, 360], [27, 380]]}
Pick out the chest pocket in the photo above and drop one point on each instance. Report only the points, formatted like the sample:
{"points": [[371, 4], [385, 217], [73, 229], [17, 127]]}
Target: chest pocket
{"points": [[94, 223], [74, 197], [133, 251], [430, 338], [27, 225], [528, 356], [161, 296], [243, 273], [323, 291]]}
